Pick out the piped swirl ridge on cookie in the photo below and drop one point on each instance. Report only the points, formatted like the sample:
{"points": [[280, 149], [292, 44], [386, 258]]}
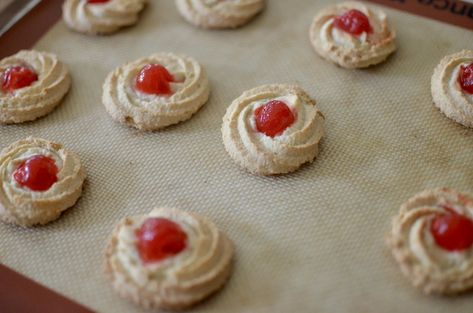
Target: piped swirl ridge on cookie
{"points": [[32, 84], [432, 240], [352, 35], [193, 259], [252, 132], [25, 197], [178, 87], [451, 86], [219, 13], [101, 17]]}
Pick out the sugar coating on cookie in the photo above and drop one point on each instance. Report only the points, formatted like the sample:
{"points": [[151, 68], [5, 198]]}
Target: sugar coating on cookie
{"points": [[156, 91], [33, 83], [450, 95], [273, 129], [352, 35], [219, 13], [101, 17], [432, 240], [40, 179], [193, 259]]}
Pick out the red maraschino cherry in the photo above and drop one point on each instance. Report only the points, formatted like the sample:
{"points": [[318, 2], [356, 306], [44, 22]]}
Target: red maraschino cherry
{"points": [[465, 78], [154, 79], [17, 77], [273, 118], [452, 231], [38, 173], [159, 238], [353, 22]]}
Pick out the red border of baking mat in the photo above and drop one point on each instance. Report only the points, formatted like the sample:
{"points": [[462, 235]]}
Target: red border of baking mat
{"points": [[30, 28], [19, 294], [454, 12]]}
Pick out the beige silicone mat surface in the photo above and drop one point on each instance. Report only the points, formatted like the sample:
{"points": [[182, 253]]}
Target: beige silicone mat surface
{"points": [[312, 241]]}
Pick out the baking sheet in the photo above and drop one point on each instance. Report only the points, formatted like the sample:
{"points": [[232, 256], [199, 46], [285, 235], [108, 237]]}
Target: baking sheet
{"points": [[311, 241]]}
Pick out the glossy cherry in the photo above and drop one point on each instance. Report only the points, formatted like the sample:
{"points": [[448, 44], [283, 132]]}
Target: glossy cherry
{"points": [[38, 173], [452, 231], [17, 77], [273, 118], [159, 238], [465, 78], [353, 22], [97, 1], [154, 79]]}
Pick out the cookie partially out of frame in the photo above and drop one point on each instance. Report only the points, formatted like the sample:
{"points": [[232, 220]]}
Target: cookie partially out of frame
{"points": [[219, 13], [447, 93], [101, 18], [22, 205], [431, 239]]}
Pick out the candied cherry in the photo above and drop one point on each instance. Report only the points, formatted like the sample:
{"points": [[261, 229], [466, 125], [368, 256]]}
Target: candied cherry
{"points": [[353, 22], [154, 79], [17, 77], [273, 118], [97, 1], [452, 231], [159, 238], [465, 78], [38, 173]]}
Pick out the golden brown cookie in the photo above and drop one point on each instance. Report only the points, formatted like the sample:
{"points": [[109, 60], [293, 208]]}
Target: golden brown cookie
{"points": [[432, 240], [173, 88], [335, 37], [258, 140], [219, 13], [168, 259], [455, 101], [40, 179], [33, 83], [101, 18]]}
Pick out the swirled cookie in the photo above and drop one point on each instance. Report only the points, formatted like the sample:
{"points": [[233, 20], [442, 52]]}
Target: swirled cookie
{"points": [[219, 13], [273, 129], [452, 87], [101, 17], [32, 85], [155, 92], [432, 240], [352, 35], [40, 179], [168, 259]]}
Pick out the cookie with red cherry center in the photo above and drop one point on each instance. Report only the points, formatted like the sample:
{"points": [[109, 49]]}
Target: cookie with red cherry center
{"points": [[352, 35], [40, 179], [32, 84], [157, 91], [168, 259], [452, 87], [273, 129], [432, 240]]}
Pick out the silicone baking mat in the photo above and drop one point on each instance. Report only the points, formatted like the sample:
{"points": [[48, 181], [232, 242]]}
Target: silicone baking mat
{"points": [[311, 241]]}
